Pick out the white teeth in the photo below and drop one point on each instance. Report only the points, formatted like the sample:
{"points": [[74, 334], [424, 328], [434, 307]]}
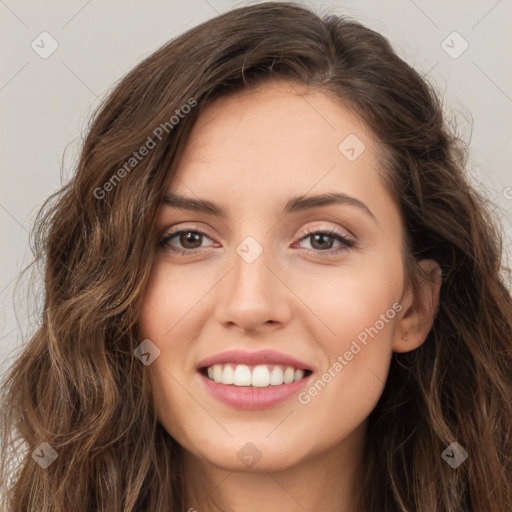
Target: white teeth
{"points": [[276, 377], [289, 375], [217, 372], [242, 375], [259, 376], [228, 376], [298, 375]]}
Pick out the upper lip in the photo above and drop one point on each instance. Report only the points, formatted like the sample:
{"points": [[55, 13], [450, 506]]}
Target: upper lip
{"points": [[266, 356]]}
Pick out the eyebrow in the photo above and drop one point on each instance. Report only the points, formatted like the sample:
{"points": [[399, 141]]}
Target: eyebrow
{"points": [[295, 204]]}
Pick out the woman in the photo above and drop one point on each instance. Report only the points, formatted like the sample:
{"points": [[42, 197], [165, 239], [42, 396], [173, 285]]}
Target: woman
{"points": [[269, 286]]}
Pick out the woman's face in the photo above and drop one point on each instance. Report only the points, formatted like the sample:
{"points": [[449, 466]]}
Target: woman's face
{"points": [[256, 280]]}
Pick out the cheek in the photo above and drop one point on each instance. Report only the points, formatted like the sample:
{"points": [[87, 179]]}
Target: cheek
{"points": [[353, 300], [155, 305], [168, 299], [361, 308], [350, 384]]}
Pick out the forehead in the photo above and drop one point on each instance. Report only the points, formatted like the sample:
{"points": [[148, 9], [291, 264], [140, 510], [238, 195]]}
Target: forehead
{"points": [[276, 117], [278, 140]]}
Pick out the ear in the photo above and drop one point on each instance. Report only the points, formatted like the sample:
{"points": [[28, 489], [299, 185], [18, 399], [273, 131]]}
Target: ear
{"points": [[420, 308]]}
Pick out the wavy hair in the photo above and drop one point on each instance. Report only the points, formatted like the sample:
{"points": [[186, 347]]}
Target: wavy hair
{"points": [[77, 385]]}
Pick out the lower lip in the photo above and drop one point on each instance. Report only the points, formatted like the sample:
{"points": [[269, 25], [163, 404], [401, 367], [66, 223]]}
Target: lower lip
{"points": [[253, 398]]}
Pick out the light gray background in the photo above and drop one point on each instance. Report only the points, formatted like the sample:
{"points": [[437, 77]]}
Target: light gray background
{"points": [[45, 103]]}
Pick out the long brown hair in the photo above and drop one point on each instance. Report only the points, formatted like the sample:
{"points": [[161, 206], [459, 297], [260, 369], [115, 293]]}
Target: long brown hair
{"points": [[77, 385]]}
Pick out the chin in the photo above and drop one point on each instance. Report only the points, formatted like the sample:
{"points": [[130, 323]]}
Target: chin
{"points": [[257, 456], [267, 463]]}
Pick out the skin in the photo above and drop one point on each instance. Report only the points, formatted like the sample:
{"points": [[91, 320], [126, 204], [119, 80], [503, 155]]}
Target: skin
{"points": [[250, 153]]}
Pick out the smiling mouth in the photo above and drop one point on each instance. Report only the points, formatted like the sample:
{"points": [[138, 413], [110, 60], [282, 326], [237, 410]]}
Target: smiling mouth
{"points": [[256, 376]]}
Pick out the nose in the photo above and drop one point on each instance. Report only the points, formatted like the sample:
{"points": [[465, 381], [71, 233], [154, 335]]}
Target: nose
{"points": [[253, 296]]}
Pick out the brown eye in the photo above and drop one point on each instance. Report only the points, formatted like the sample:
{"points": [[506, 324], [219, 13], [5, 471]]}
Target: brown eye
{"points": [[187, 240], [322, 240]]}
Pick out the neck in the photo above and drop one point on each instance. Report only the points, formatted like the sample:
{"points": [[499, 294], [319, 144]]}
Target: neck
{"points": [[328, 480]]}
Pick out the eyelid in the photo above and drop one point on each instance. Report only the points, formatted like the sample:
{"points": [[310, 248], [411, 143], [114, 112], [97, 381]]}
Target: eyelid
{"points": [[336, 233], [187, 228], [345, 233]]}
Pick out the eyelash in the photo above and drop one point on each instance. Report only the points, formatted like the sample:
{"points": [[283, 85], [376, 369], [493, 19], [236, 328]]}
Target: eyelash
{"points": [[347, 243]]}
